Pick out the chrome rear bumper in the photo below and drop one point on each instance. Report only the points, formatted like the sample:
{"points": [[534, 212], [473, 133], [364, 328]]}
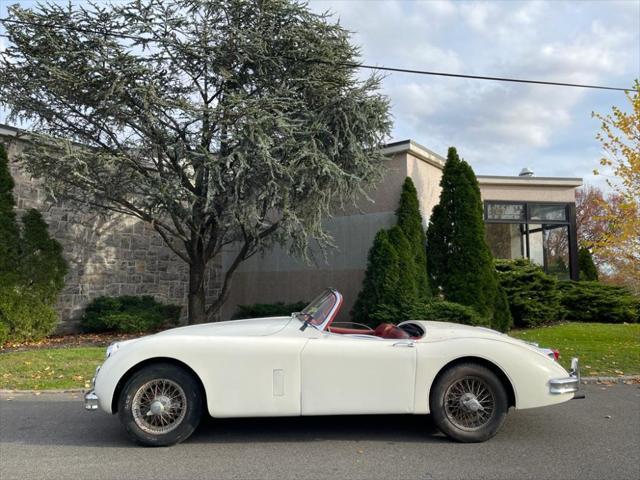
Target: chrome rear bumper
{"points": [[568, 384]]}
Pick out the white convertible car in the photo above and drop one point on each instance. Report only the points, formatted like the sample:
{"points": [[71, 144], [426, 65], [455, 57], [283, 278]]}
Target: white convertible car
{"points": [[465, 377]]}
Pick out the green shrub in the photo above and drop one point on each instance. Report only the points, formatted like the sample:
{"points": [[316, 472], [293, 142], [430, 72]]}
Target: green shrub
{"points": [[32, 268], [596, 302], [128, 314], [459, 262], [24, 315], [376, 302], [4, 332], [259, 310], [533, 296], [410, 221], [442, 311]]}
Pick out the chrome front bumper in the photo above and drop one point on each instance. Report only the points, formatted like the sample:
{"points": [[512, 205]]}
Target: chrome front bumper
{"points": [[91, 401], [568, 384], [90, 398]]}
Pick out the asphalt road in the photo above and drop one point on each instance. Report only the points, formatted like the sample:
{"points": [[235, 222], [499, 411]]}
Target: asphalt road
{"points": [[51, 436]]}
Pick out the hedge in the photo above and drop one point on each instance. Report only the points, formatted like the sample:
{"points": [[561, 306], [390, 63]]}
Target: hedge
{"points": [[259, 310], [128, 314], [597, 302], [533, 296]]}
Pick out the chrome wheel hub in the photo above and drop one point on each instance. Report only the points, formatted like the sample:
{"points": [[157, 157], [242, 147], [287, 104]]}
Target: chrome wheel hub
{"points": [[469, 403], [159, 406]]}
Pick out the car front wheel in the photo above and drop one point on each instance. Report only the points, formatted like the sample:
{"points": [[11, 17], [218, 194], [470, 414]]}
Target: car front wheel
{"points": [[468, 403], [160, 405]]}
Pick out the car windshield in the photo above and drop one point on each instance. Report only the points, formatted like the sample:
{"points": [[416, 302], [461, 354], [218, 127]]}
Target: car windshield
{"points": [[320, 309]]}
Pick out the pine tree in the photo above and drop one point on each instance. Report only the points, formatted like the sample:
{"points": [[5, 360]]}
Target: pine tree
{"points": [[376, 301], [9, 233], [42, 265], [587, 268], [459, 262], [410, 221]]}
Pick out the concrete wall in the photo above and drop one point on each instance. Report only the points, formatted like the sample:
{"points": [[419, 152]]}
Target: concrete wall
{"points": [[107, 255]]}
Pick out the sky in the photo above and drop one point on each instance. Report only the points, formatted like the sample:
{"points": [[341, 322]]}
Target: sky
{"points": [[499, 128]]}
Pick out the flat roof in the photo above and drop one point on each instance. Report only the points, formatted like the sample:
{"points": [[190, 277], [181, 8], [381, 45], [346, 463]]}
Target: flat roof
{"points": [[529, 181], [415, 149]]}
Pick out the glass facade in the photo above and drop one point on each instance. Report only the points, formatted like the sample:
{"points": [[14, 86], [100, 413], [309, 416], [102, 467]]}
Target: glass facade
{"points": [[542, 232]]}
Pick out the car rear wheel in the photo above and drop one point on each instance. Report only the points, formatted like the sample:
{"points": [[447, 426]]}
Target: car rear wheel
{"points": [[469, 403], [160, 405]]}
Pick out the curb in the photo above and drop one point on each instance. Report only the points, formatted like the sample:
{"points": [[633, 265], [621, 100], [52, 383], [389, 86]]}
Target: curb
{"points": [[620, 379], [584, 380], [42, 392]]}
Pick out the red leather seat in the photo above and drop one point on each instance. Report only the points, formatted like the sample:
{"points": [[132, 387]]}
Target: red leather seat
{"points": [[389, 330]]}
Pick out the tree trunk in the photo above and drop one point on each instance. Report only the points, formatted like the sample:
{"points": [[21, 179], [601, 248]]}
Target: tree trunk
{"points": [[197, 297]]}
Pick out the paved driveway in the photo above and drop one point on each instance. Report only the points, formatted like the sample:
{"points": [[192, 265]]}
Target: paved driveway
{"points": [[51, 436]]}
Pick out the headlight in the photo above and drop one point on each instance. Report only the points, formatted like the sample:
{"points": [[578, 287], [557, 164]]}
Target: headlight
{"points": [[113, 348]]}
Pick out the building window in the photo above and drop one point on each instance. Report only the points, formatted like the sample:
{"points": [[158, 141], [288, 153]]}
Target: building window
{"points": [[542, 232]]}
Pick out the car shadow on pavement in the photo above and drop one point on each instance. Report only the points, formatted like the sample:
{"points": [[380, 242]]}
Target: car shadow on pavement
{"points": [[383, 428], [37, 422]]}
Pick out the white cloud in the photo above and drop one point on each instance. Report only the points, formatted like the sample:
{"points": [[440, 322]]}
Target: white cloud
{"points": [[501, 127]]}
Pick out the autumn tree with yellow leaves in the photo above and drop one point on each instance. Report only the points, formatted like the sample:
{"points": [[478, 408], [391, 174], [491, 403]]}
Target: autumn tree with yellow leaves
{"points": [[620, 140]]}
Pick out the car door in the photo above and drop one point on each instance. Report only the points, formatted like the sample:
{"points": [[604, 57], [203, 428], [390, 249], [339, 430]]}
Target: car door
{"points": [[357, 374]]}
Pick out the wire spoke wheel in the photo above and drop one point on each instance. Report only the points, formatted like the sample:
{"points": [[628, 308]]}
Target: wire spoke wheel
{"points": [[159, 406], [469, 403]]}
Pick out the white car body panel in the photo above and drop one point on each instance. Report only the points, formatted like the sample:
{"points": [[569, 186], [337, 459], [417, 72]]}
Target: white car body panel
{"points": [[272, 367]]}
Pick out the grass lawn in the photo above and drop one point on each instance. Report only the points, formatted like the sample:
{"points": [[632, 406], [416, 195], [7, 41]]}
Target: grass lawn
{"points": [[604, 349], [51, 368]]}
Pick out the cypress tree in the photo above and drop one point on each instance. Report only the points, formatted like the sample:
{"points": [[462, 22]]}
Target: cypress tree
{"points": [[459, 263], [42, 265], [376, 301], [9, 233], [406, 292], [410, 221], [587, 268]]}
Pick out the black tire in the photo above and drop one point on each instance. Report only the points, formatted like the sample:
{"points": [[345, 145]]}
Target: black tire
{"points": [[182, 414], [453, 408]]}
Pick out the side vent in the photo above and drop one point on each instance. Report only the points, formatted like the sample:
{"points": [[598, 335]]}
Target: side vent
{"points": [[278, 383]]}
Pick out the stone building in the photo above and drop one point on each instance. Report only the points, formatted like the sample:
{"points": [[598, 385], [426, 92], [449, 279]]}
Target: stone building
{"points": [[107, 255], [526, 216]]}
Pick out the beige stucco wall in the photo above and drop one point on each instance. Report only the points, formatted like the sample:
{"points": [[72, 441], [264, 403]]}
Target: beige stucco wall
{"points": [[528, 193], [277, 276]]}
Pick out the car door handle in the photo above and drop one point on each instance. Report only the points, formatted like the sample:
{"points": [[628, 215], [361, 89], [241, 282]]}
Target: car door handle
{"points": [[403, 344]]}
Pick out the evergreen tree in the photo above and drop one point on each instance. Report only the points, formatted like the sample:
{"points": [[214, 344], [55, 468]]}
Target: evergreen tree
{"points": [[406, 292], [42, 265], [459, 263], [376, 301], [410, 221], [9, 233], [587, 268]]}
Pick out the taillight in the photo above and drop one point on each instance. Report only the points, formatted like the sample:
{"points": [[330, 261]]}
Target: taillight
{"points": [[556, 355]]}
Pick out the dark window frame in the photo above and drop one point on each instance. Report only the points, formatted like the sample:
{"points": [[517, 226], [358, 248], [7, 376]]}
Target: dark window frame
{"points": [[570, 221]]}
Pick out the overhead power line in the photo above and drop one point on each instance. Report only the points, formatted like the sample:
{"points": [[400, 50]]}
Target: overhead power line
{"points": [[340, 64]]}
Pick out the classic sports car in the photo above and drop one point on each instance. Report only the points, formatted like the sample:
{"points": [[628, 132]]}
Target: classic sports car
{"points": [[465, 377]]}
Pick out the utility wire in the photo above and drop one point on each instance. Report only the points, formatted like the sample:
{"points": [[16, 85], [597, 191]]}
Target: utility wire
{"points": [[339, 64]]}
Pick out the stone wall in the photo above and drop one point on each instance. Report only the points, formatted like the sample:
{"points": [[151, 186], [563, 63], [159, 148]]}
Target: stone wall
{"points": [[107, 254]]}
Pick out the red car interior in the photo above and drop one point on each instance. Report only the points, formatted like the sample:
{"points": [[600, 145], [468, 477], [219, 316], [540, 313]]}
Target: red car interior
{"points": [[384, 330]]}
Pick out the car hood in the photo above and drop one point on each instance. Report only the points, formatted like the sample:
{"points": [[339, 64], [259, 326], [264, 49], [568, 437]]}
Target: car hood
{"points": [[248, 328]]}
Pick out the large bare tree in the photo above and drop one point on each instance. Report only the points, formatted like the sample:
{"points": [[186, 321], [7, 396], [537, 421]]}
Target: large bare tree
{"points": [[218, 122]]}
